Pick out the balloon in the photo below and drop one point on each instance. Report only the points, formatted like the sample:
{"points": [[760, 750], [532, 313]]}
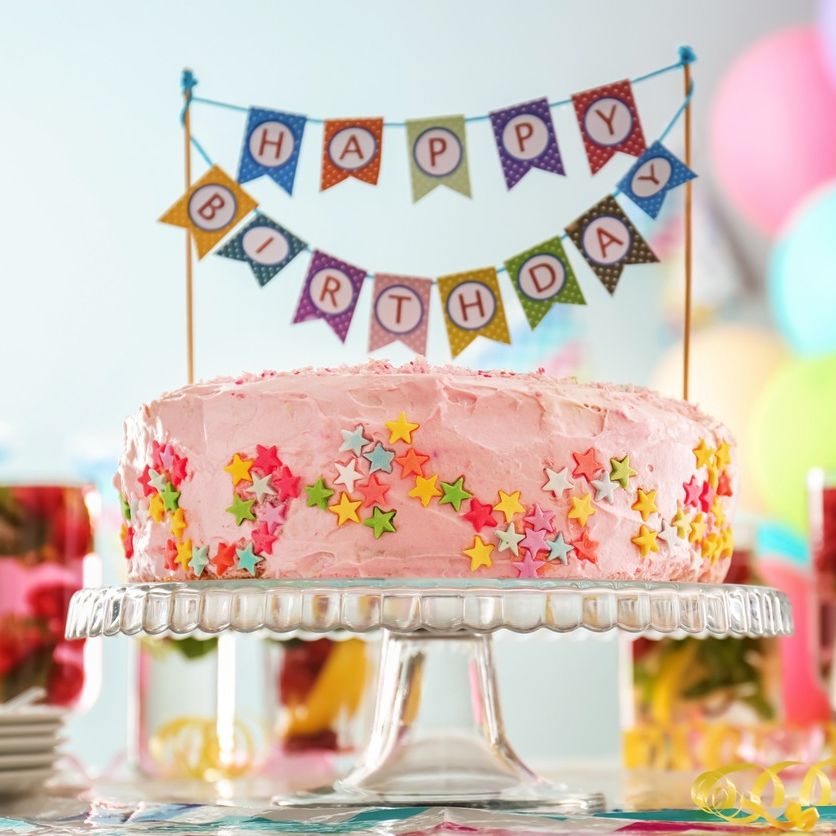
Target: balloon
{"points": [[773, 126], [730, 365], [792, 430], [802, 275], [827, 30]]}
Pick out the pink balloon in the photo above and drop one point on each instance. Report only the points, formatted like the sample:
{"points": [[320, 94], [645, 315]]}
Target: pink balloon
{"points": [[773, 126]]}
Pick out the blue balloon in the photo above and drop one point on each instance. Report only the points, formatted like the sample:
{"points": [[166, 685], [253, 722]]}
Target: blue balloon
{"points": [[802, 277], [776, 539]]}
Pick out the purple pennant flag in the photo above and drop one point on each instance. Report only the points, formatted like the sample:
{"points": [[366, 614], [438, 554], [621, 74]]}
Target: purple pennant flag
{"points": [[331, 290], [525, 139]]}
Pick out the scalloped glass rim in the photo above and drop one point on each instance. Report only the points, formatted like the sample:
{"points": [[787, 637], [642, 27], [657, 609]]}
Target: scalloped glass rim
{"points": [[290, 607]]}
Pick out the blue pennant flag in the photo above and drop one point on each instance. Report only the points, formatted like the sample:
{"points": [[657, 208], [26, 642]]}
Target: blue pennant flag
{"points": [[656, 172], [271, 146], [265, 245]]}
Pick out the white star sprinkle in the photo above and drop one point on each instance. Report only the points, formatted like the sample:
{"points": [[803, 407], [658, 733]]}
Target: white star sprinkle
{"points": [[603, 488], [557, 483], [348, 475], [509, 538], [261, 487]]}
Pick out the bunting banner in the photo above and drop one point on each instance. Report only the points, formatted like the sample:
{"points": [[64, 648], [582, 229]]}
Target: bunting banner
{"points": [[472, 307], [265, 245], [542, 277], [437, 155], [656, 172], [608, 241], [271, 146], [210, 209], [351, 148], [400, 311], [330, 292], [525, 139], [609, 122]]}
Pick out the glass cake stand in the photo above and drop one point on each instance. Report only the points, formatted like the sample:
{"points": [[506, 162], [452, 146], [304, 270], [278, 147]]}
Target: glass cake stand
{"points": [[458, 753]]}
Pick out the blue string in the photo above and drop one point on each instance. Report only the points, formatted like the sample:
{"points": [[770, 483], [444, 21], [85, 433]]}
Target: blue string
{"points": [[200, 150]]}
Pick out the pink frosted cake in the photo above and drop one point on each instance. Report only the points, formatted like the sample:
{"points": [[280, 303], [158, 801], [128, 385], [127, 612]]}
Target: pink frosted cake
{"points": [[422, 472]]}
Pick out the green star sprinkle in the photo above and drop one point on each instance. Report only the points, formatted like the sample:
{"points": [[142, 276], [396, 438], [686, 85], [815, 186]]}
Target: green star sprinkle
{"points": [[200, 559], [454, 494], [621, 471], [318, 494], [380, 521], [380, 458], [247, 560], [126, 508], [241, 509], [170, 497]]}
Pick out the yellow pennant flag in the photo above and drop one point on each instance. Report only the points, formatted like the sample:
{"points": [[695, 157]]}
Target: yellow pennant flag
{"points": [[210, 209], [472, 307]]}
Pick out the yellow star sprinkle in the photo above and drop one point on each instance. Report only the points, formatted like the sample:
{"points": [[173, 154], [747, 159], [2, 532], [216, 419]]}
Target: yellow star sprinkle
{"points": [[645, 504], [156, 508], [582, 509], [703, 454], [727, 542], [184, 553], [509, 504], [711, 546], [346, 509], [425, 489], [178, 523], [718, 512], [646, 540], [713, 475], [698, 528], [722, 458], [401, 429], [681, 522], [239, 469], [479, 553]]}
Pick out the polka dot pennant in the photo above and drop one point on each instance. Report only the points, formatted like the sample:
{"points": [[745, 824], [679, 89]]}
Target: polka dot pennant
{"points": [[609, 122], [652, 176], [437, 155], [265, 245], [472, 307], [272, 140], [400, 311], [609, 241], [351, 148], [210, 209], [542, 276]]}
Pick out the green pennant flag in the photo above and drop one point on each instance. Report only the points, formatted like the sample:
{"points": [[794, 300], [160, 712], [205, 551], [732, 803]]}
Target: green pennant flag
{"points": [[437, 155]]}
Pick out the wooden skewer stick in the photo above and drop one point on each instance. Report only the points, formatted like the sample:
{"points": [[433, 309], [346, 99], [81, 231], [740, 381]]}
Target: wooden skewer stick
{"points": [[686, 352], [187, 154]]}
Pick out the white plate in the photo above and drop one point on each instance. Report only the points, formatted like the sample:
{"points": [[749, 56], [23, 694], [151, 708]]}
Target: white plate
{"points": [[23, 781], [35, 714], [34, 760], [33, 743]]}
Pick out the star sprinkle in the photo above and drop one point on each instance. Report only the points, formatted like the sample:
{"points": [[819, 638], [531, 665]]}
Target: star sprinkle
{"points": [[698, 528], [668, 534], [528, 566], [586, 465], [557, 483], [646, 540], [156, 508], [559, 549], [261, 487], [373, 492], [345, 509], [681, 522], [718, 512], [241, 509], [348, 474], [713, 475], [318, 494], [184, 554], [286, 484], [263, 539], [200, 560], [722, 455], [534, 542], [706, 497], [380, 521], [479, 553], [266, 459], [158, 480], [585, 547], [604, 488], [582, 509], [170, 497], [620, 471], [710, 546], [354, 440], [273, 515], [401, 429], [125, 506], [171, 555], [454, 494], [480, 515], [156, 455], [178, 523], [509, 504], [540, 519], [178, 469], [692, 492], [144, 480], [411, 463], [645, 504], [167, 456], [425, 489], [239, 469], [724, 487], [380, 458], [247, 559], [224, 559], [703, 454], [509, 538], [126, 534]]}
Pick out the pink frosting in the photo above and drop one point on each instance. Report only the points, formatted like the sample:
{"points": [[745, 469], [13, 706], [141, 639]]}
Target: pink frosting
{"points": [[497, 430]]}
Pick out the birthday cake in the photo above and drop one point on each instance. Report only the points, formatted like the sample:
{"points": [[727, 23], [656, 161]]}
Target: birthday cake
{"points": [[424, 472]]}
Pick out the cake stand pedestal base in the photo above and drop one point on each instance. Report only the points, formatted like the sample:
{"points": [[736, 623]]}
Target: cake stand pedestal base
{"points": [[438, 737]]}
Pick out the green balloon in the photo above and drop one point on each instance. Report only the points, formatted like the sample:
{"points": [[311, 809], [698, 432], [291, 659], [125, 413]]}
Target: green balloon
{"points": [[794, 429]]}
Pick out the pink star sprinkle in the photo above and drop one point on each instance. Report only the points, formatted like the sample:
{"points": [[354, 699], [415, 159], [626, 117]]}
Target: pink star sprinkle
{"points": [[272, 516], [540, 519], [534, 542], [528, 566], [692, 492]]}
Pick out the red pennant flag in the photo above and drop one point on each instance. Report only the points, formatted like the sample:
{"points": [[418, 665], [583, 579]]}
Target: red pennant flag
{"points": [[351, 148]]}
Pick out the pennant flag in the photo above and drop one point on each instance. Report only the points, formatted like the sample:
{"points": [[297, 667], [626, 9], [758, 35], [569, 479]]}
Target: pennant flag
{"points": [[437, 155], [608, 241], [652, 176], [271, 146], [331, 290], [265, 245], [542, 276], [210, 209], [525, 139], [400, 308], [351, 148], [609, 122], [473, 307]]}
